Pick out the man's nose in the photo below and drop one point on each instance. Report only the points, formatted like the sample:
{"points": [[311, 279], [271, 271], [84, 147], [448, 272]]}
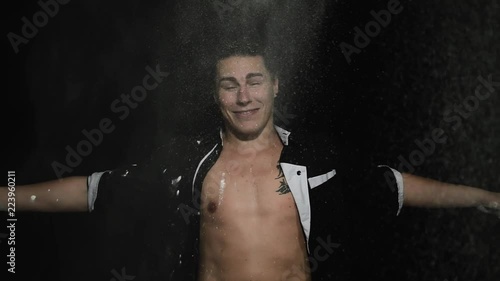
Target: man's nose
{"points": [[243, 96]]}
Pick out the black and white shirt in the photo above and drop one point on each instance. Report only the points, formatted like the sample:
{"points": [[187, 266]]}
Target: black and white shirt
{"points": [[335, 202]]}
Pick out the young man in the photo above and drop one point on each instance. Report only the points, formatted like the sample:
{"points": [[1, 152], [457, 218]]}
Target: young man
{"points": [[249, 200]]}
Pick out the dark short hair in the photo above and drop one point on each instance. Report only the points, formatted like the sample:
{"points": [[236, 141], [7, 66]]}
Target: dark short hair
{"points": [[245, 46]]}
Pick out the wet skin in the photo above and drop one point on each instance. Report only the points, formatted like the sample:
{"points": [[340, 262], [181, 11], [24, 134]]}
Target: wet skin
{"points": [[250, 228]]}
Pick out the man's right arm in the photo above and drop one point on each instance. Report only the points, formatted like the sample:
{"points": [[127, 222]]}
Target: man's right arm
{"points": [[62, 195]]}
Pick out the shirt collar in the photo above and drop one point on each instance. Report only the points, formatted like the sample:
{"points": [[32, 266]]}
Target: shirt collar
{"points": [[284, 134]]}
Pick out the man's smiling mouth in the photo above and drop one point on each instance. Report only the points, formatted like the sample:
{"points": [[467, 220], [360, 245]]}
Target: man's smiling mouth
{"points": [[246, 113]]}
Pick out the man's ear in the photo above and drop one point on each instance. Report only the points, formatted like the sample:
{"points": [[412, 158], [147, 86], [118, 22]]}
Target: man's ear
{"points": [[276, 86], [215, 96]]}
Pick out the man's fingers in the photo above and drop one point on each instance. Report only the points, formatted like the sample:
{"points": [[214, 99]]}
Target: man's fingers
{"points": [[491, 208]]}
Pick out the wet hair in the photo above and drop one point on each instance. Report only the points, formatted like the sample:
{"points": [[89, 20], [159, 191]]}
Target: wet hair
{"points": [[246, 46]]}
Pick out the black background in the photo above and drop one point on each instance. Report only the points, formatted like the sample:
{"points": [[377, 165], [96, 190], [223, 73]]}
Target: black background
{"points": [[394, 92]]}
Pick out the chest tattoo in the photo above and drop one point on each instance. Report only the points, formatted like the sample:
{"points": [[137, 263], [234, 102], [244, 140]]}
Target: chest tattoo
{"points": [[283, 188]]}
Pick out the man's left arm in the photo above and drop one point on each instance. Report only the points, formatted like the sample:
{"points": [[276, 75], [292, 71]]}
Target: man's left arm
{"points": [[425, 192]]}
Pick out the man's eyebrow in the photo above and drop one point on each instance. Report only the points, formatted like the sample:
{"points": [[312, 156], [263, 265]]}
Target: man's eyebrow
{"points": [[228, 78], [248, 76], [251, 75]]}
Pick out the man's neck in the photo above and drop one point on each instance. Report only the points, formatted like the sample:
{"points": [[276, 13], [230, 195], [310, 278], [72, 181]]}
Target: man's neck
{"points": [[266, 139]]}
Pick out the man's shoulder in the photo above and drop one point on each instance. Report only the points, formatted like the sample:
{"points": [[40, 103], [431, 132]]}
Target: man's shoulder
{"points": [[174, 154], [312, 149], [315, 141], [181, 149], [181, 142], [325, 148]]}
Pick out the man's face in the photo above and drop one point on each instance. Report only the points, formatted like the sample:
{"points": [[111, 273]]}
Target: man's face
{"points": [[245, 94]]}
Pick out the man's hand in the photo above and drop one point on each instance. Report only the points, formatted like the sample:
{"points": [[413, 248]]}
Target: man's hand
{"points": [[491, 204]]}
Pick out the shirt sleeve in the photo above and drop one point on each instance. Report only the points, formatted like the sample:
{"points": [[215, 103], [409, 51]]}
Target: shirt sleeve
{"points": [[375, 190], [93, 187], [399, 185], [130, 186], [124, 187]]}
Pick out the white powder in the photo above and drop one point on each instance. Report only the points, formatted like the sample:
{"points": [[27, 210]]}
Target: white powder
{"points": [[222, 186]]}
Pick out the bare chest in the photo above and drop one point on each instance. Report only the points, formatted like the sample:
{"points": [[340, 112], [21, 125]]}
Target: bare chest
{"points": [[238, 188], [250, 226]]}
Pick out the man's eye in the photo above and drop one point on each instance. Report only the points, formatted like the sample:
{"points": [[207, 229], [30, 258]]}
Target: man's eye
{"points": [[255, 83], [229, 88]]}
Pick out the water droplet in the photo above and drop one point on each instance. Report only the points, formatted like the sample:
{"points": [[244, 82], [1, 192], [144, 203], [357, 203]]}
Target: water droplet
{"points": [[125, 174], [33, 197], [48, 190], [164, 170], [222, 187], [176, 181], [134, 165], [177, 193]]}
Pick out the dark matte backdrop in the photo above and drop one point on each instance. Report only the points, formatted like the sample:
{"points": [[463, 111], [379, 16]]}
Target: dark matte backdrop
{"points": [[398, 89]]}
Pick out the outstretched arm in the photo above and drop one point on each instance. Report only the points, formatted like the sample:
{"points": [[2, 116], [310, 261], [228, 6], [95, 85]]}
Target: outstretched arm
{"points": [[425, 192], [63, 195]]}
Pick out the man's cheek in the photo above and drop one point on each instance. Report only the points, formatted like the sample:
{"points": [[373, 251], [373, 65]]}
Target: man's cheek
{"points": [[224, 102]]}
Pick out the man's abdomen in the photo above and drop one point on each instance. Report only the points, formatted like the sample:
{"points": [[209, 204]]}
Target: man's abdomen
{"points": [[256, 251]]}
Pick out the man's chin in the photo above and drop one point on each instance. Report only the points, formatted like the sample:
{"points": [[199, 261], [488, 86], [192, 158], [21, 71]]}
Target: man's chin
{"points": [[247, 131]]}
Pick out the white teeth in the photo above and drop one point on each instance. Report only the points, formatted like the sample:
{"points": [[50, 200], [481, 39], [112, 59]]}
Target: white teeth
{"points": [[248, 112]]}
